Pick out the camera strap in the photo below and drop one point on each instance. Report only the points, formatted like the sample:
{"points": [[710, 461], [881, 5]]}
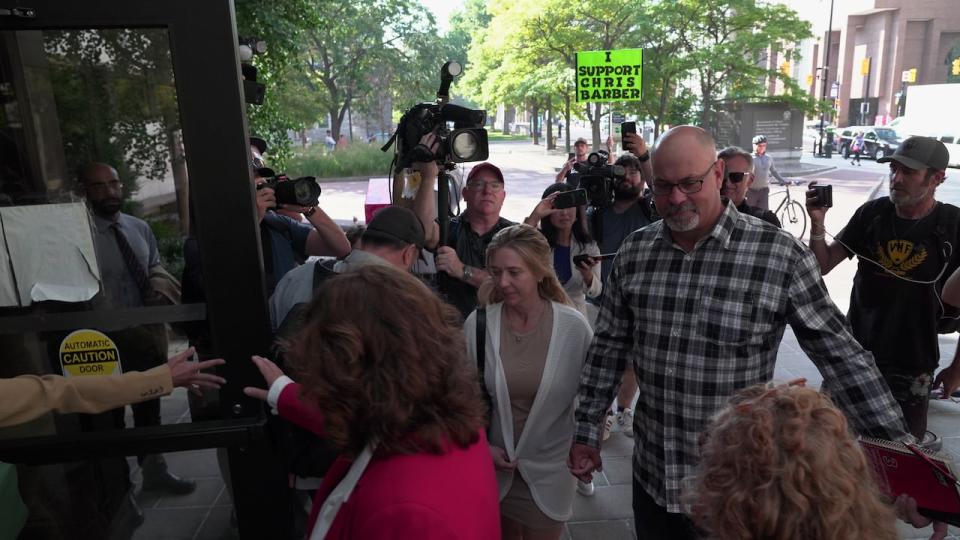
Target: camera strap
{"points": [[481, 360]]}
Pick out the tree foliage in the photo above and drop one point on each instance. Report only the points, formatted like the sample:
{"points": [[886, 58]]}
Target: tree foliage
{"points": [[696, 52]]}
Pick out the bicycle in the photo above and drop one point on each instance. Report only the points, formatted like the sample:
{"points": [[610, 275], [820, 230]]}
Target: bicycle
{"points": [[791, 213]]}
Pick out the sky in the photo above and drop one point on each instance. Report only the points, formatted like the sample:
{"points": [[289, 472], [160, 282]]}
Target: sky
{"points": [[442, 9]]}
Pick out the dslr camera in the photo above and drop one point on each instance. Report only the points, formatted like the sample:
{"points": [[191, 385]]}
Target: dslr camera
{"points": [[303, 191], [460, 132], [597, 178]]}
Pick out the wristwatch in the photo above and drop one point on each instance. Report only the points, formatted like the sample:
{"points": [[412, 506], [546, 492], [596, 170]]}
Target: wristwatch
{"points": [[310, 212], [644, 157], [467, 272]]}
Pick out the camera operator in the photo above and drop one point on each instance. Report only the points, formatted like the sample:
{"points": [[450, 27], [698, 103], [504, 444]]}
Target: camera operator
{"points": [[580, 156], [463, 253], [610, 225], [287, 242]]}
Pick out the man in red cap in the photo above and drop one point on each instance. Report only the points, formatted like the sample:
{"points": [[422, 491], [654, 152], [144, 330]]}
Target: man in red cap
{"points": [[463, 253], [905, 244]]}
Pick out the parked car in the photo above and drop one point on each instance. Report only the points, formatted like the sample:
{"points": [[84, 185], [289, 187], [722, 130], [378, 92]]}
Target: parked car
{"points": [[878, 142]]}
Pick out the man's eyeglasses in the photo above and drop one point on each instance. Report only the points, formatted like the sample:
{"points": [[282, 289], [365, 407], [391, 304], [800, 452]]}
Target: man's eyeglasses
{"points": [[258, 162], [737, 177], [688, 186], [479, 185]]}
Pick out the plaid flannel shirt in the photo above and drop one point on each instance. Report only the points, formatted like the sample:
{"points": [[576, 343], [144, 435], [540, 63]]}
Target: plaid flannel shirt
{"points": [[699, 326]]}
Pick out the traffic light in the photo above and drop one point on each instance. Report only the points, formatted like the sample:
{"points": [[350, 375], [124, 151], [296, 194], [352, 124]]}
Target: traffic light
{"points": [[956, 66], [785, 68], [809, 79]]}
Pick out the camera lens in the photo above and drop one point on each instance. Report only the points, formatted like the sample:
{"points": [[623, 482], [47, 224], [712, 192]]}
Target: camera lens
{"points": [[464, 145]]}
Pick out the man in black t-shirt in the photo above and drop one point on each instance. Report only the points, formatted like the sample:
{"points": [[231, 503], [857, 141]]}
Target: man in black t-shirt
{"points": [[905, 244]]}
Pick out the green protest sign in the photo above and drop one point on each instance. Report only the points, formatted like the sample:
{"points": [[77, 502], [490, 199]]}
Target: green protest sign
{"points": [[609, 75]]}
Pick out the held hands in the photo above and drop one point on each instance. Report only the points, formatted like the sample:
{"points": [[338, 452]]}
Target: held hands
{"points": [[448, 261], [270, 373], [428, 169], [583, 461], [188, 374], [500, 459]]}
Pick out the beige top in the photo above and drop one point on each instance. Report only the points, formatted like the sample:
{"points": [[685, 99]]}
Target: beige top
{"points": [[27, 397], [524, 356]]}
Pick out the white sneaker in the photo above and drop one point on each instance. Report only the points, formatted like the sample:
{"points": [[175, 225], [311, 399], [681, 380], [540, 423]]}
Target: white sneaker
{"points": [[607, 426], [585, 489], [625, 421]]}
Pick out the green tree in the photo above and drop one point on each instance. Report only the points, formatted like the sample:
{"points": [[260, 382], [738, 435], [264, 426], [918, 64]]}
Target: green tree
{"points": [[359, 48], [281, 25], [727, 41]]}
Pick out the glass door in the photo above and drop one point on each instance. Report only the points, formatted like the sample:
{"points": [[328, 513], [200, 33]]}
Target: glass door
{"points": [[122, 135]]}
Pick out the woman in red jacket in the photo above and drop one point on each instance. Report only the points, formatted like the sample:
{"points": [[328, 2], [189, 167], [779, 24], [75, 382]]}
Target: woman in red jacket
{"points": [[384, 378]]}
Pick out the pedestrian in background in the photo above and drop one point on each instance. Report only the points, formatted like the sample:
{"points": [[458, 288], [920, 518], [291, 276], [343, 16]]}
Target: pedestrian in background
{"points": [[759, 193]]}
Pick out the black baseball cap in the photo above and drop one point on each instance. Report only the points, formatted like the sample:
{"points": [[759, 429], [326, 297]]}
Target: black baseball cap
{"points": [[920, 153], [396, 223], [259, 144]]}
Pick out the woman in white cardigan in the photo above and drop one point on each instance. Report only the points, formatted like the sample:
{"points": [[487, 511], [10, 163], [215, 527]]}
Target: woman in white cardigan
{"points": [[535, 346], [566, 232]]}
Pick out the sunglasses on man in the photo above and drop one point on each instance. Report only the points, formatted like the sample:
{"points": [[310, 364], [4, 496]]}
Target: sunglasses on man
{"points": [[737, 177]]}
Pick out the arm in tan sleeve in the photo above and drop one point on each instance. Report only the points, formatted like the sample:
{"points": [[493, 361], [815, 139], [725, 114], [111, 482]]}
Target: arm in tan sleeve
{"points": [[29, 396]]}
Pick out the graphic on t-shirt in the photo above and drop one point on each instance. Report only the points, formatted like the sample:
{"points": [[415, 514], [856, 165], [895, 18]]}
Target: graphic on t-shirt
{"points": [[901, 256]]}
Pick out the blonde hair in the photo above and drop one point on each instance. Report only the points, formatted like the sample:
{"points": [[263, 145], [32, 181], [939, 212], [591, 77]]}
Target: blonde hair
{"points": [[780, 463], [533, 249]]}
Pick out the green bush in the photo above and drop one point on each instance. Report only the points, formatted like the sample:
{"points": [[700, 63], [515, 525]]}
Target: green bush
{"points": [[358, 159]]}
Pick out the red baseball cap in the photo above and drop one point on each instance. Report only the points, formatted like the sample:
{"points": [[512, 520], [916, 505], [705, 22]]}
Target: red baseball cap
{"points": [[485, 166]]}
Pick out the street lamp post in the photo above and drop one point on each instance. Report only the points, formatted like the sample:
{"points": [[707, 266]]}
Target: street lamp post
{"points": [[825, 74]]}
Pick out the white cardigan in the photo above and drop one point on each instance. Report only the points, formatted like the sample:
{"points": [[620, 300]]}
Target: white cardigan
{"points": [[575, 288], [542, 449]]}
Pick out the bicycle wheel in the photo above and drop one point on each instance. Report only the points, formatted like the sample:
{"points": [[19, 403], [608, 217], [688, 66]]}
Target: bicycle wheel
{"points": [[793, 218]]}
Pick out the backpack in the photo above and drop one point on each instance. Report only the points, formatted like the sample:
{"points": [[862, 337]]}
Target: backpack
{"points": [[304, 453]]}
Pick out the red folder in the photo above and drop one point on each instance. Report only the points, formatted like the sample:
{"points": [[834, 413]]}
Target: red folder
{"points": [[926, 476]]}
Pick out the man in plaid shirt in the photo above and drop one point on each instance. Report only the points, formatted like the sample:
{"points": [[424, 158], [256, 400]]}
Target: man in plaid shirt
{"points": [[698, 304]]}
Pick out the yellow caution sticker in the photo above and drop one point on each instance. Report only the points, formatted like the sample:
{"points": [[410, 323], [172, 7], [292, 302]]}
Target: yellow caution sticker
{"points": [[86, 353]]}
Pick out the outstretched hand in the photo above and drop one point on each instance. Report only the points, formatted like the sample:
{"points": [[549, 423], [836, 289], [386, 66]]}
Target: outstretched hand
{"points": [[270, 373], [189, 374]]}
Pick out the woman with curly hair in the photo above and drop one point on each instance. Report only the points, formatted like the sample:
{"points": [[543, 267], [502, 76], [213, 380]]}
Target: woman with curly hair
{"points": [[381, 368], [780, 463], [535, 344]]}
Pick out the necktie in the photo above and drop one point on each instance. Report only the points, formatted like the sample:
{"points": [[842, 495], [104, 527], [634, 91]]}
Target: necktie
{"points": [[137, 271]]}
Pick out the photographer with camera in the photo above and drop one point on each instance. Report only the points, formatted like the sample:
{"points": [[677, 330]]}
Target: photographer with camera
{"points": [[610, 223], [580, 157], [906, 245], [288, 242]]}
